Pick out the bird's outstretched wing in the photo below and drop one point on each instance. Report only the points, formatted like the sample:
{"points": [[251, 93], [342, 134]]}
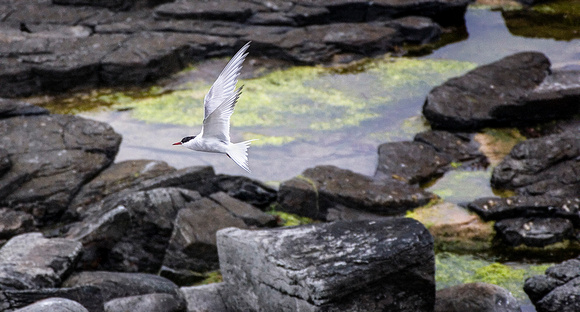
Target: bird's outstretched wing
{"points": [[217, 124], [224, 86]]}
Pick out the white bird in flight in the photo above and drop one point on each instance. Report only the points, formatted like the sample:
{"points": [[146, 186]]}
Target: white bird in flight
{"points": [[219, 105]]}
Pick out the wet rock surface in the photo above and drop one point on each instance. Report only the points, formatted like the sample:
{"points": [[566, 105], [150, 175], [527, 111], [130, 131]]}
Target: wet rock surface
{"points": [[52, 46], [517, 90], [323, 190], [558, 289], [302, 271]]}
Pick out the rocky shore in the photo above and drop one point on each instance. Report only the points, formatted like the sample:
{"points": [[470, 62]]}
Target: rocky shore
{"points": [[80, 232]]}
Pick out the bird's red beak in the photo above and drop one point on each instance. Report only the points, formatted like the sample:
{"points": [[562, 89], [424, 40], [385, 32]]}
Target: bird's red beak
{"points": [[178, 143]]}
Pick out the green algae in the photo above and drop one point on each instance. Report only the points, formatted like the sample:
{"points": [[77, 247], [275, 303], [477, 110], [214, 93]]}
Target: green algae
{"points": [[496, 143], [453, 269], [309, 98], [210, 278], [289, 219]]}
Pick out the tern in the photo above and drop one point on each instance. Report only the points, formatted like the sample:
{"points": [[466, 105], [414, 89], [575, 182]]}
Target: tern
{"points": [[219, 105]]}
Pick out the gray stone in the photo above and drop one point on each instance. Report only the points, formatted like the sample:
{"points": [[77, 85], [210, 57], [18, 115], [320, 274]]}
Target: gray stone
{"points": [[546, 165], [251, 215], [461, 147], [412, 162], [317, 190], [492, 95], [204, 298], [534, 232], [30, 261], [564, 298], [52, 156], [558, 289], [12, 108], [118, 284], [54, 305], [247, 190], [89, 296], [476, 297], [146, 303], [193, 241], [14, 222], [340, 266]]}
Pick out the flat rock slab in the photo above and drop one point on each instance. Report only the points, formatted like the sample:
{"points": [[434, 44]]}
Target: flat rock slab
{"points": [[147, 302], [516, 90], [30, 261], [318, 191], [547, 165], [534, 232], [88, 296], [204, 298], [12, 108], [51, 157], [340, 266]]}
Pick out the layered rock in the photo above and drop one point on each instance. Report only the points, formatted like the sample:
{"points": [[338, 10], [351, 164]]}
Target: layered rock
{"points": [[517, 90], [339, 266], [558, 289]]}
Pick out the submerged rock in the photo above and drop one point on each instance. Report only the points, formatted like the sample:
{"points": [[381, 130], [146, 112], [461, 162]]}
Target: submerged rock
{"points": [[475, 297], [339, 266], [534, 232], [324, 190], [516, 90]]}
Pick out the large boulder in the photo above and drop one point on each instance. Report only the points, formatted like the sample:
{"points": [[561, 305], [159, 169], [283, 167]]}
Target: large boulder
{"points": [[30, 261], [325, 191], [340, 266], [54, 305], [51, 157], [516, 90]]}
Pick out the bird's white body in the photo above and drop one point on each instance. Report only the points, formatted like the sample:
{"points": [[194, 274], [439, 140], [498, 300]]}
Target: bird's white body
{"points": [[219, 106]]}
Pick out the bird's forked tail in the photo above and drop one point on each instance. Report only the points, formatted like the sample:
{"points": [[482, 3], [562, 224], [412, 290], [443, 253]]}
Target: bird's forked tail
{"points": [[238, 152]]}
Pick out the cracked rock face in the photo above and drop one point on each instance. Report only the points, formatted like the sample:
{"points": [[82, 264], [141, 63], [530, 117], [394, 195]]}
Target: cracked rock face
{"points": [[51, 157], [339, 266]]}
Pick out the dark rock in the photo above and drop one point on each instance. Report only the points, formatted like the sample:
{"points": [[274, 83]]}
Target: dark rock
{"points": [[493, 208], [412, 162], [52, 156], [213, 10], [5, 162], [12, 108], [118, 284], [193, 241], [475, 297], [117, 177], [494, 95], [14, 222], [461, 147], [538, 286], [320, 189], [328, 267], [142, 245], [247, 190], [30, 261], [251, 215], [148, 302], [54, 305], [88, 296], [557, 290], [204, 298], [562, 299], [534, 232], [417, 29], [548, 165]]}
